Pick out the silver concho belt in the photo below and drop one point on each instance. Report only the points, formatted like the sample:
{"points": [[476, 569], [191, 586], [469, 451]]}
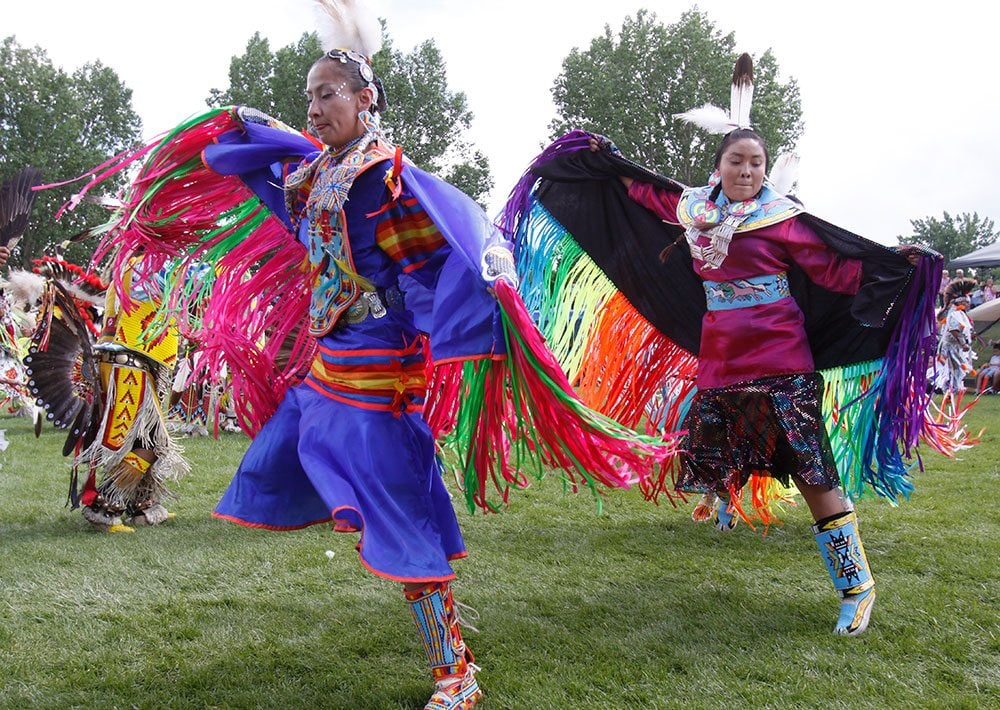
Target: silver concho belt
{"points": [[373, 304]]}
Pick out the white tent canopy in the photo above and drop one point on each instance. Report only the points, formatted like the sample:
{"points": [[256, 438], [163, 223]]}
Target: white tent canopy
{"points": [[987, 311]]}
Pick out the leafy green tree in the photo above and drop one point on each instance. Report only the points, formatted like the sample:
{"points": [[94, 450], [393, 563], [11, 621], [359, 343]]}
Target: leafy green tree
{"points": [[424, 116], [273, 82], [64, 124], [953, 236], [428, 119], [628, 86]]}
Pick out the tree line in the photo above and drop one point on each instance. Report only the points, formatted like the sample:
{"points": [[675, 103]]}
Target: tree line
{"points": [[627, 83]]}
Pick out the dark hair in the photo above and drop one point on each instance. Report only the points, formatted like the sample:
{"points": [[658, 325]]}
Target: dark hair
{"points": [[740, 134], [349, 66]]}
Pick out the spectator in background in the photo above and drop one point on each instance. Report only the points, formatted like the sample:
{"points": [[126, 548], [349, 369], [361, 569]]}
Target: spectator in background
{"points": [[988, 379], [976, 295], [989, 290], [945, 280]]}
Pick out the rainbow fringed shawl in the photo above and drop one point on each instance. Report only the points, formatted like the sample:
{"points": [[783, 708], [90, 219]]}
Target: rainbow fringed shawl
{"points": [[616, 296], [206, 208]]}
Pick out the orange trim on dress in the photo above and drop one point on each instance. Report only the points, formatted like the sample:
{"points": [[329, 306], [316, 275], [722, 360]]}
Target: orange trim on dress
{"points": [[410, 407], [408, 350], [367, 565], [263, 526]]}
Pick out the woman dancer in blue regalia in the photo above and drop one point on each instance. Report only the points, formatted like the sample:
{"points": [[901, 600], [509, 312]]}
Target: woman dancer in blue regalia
{"points": [[403, 327]]}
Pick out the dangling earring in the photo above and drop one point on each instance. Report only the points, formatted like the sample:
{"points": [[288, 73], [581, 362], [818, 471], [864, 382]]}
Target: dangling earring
{"points": [[370, 121]]}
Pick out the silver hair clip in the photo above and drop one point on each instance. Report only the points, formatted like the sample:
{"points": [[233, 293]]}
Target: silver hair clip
{"points": [[343, 55]]}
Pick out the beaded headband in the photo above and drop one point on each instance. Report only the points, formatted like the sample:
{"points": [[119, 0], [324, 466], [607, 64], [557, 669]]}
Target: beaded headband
{"points": [[364, 67]]}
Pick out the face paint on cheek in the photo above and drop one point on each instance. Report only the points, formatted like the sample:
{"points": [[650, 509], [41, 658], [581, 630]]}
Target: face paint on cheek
{"points": [[339, 91]]}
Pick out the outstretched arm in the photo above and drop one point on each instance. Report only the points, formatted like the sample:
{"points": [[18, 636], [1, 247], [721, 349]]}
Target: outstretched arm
{"points": [[660, 201], [599, 143]]}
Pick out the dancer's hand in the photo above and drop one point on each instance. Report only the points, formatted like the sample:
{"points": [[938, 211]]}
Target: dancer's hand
{"points": [[599, 143], [498, 264], [4, 255], [911, 252]]}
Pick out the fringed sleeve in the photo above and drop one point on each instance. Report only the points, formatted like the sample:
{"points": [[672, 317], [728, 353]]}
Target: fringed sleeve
{"points": [[234, 274], [519, 414], [496, 395], [618, 362], [878, 411]]}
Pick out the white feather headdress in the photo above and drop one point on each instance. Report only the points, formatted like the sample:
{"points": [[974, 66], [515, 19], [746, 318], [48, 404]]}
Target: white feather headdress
{"points": [[716, 120], [348, 24]]}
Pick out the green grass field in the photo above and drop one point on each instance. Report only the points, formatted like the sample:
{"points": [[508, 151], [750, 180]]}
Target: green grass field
{"points": [[635, 608]]}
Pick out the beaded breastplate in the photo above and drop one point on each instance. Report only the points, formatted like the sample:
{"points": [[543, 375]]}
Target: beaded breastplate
{"points": [[702, 204], [325, 184]]}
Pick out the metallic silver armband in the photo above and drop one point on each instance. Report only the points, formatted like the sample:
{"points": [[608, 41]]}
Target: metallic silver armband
{"points": [[498, 262]]}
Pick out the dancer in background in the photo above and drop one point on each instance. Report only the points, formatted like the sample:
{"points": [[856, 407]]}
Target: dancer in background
{"points": [[16, 202], [955, 355], [14, 395], [110, 393], [189, 405]]}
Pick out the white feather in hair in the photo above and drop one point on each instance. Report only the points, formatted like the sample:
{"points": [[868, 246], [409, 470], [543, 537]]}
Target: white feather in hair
{"points": [[741, 93], [348, 24], [711, 118], [784, 173], [716, 120]]}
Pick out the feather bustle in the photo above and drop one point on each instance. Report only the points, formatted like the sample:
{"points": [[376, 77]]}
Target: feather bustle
{"points": [[61, 368], [962, 286]]}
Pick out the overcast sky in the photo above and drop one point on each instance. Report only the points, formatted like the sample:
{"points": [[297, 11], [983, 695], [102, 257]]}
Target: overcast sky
{"points": [[900, 102]]}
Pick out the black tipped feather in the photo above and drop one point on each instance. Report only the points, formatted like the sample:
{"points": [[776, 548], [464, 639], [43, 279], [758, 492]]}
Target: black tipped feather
{"points": [[743, 70], [16, 202]]}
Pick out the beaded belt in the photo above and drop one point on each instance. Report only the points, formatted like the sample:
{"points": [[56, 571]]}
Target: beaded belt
{"points": [[373, 304], [117, 355], [745, 293]]}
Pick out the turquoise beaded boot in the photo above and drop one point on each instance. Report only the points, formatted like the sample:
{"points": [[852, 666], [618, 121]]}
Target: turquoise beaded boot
{"points": [[456, 687], [841, 549]]}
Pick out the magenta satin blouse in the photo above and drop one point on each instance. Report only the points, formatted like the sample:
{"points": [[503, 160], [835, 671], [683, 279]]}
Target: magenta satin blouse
{"points": [[766, 339]]}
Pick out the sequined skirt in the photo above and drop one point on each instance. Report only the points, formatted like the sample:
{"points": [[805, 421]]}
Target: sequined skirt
{"points": [[771, 426]]}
